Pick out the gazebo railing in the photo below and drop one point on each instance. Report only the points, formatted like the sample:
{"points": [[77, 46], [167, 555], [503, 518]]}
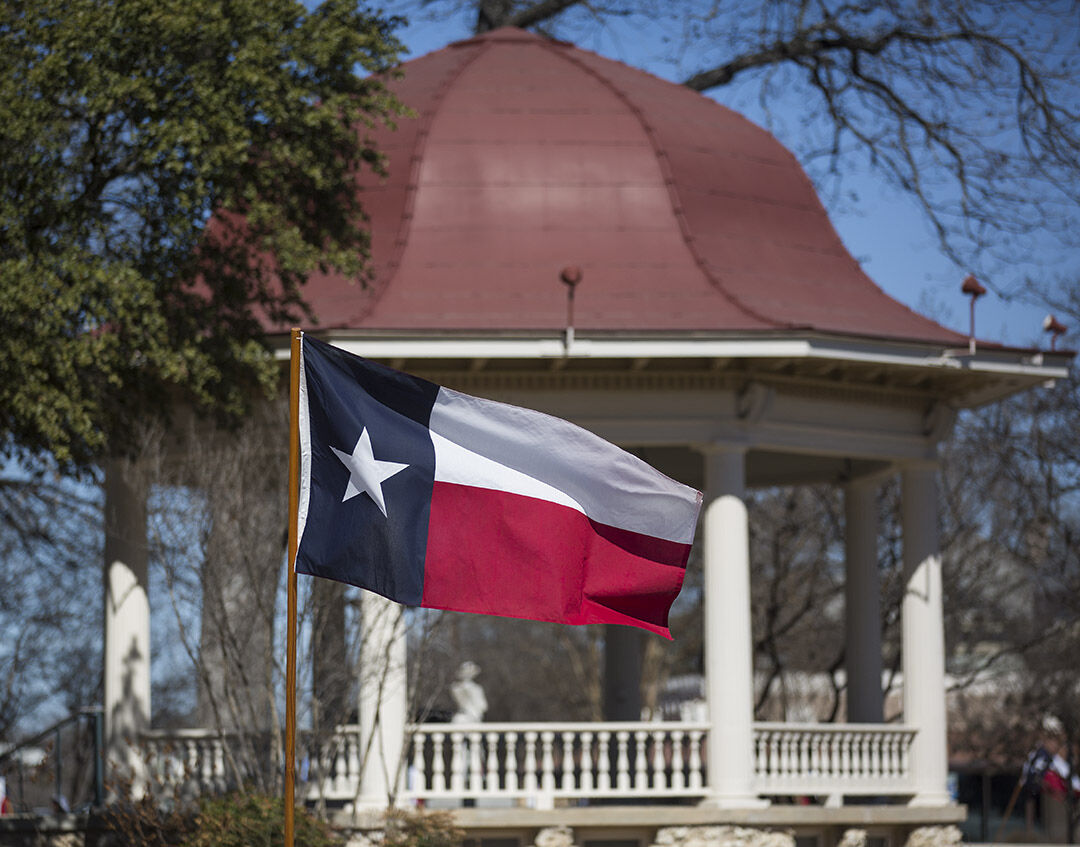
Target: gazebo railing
{"points": [[536, 763], [544, 761], [832, 759], [192, 759]]}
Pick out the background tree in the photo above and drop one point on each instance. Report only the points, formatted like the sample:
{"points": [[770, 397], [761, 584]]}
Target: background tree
{"points": [[127, 123], [170, 173], [1018, 466], [48, 526], [216, 527]]}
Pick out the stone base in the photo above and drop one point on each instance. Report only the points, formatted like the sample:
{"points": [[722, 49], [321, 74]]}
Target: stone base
{"points": [[703, 826]]}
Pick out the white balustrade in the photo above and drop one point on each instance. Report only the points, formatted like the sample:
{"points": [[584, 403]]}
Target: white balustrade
{"points": [[547, 761], [510, 780], [604, 767], [189, 759], [476, 778], [622, 767], [586, 763], [819, 759], [697, 739], [567, 783], [544, 761], [678, 780], [492, 758]]}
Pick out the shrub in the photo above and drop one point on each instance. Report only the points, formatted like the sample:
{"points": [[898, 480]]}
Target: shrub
{"points": [[421, 829], [152, 817], [254, 820]]}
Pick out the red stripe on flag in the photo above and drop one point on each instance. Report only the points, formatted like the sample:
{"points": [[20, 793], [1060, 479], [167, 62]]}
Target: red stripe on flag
{"points": [[504, 554]]}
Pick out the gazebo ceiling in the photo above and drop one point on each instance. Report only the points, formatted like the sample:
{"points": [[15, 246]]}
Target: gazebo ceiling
{"points": [[529, 155]]}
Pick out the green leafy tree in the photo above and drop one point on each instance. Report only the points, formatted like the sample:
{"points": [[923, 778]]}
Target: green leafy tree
{"points": [[170, 173]]}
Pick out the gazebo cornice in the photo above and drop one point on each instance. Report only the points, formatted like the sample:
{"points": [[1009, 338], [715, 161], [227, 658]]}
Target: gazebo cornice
{"points": [[955, 375]]}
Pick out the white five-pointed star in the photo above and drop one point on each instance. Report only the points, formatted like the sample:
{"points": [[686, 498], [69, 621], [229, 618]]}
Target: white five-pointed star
{"points": [[366, 473]]}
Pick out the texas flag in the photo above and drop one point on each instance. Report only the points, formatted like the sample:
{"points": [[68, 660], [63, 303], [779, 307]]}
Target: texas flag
{"points": [[437, 499]]}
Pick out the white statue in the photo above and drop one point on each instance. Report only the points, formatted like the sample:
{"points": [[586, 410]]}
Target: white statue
{"points": [[468, 695]]}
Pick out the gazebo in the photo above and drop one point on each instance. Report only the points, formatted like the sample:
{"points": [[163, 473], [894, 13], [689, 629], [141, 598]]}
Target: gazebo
{"points": [[567, 233]]}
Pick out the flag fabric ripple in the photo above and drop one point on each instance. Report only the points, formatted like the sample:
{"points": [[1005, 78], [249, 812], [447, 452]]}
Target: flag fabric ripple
{"points": [[438, 499]]}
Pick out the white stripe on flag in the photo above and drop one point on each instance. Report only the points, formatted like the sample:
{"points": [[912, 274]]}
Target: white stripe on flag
{"points": [[305, 454], [611, 486], [457, 464]]}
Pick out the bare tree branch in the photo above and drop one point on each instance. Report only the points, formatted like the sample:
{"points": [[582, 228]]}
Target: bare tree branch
{"points": [[539, 12]]}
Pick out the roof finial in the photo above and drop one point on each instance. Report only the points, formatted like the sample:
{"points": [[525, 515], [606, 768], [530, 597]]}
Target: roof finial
{"points": [[1055, 328], [975, 290], [570, 276]]}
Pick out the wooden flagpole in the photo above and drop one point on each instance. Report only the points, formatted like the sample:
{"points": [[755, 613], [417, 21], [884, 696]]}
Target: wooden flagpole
{"points": [[290, 658]]}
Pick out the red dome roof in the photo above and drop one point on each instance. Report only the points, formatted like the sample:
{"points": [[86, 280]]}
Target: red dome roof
{"points": [[529, 155]]}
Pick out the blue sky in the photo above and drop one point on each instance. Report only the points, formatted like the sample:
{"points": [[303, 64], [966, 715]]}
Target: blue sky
{"points": [[881, 226]]}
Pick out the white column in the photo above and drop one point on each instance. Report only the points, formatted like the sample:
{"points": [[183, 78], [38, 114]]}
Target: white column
{"points": [[127, 620], [924, 637], [862, 603], [729, 671], [384, 701]]}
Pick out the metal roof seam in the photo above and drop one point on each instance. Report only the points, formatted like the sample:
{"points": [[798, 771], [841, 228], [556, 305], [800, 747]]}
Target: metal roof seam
{"points": [[669, 182], [413, 185]]}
